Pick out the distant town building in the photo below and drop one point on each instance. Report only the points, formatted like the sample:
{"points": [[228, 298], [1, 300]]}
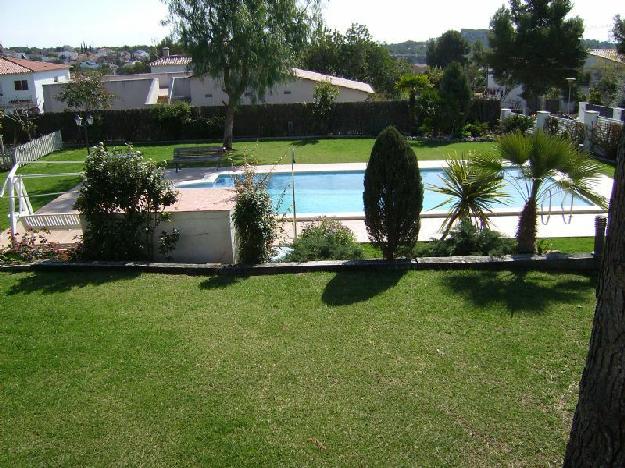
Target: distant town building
{"points": [[22, 82], [141, 55]]}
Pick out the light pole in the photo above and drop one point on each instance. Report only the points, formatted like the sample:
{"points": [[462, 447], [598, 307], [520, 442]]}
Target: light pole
{"points": [[570, 82], [84, 123]]}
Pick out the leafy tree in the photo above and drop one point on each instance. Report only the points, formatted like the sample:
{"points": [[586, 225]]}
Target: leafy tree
{"points": [[413, 85], [619, 33], [134, 69], [254, 218], [534, 44], [450, 47], [471, 188], [547, 163], [250, 45], [23, 119], [123, 199], [355, 56], [455, 94], [597, 437], [393, 195], [86, 92], [325, 95], [175, 47]]}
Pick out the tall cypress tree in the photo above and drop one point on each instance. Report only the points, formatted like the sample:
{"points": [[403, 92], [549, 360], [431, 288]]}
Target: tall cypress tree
{"points": [[393, 194]]}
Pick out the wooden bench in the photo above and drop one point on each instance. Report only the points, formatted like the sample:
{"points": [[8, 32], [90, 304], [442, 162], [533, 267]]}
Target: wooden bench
{"points": [[197, 154]]}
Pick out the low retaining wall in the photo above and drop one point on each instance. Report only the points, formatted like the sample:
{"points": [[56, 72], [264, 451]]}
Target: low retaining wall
{"points": [[549, 263]]}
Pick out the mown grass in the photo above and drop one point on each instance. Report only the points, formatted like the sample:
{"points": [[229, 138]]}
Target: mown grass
{"points": [[569, 245], [352, 369]]}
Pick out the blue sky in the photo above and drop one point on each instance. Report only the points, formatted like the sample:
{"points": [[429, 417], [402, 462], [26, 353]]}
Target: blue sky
{"points": [[118, 22]]}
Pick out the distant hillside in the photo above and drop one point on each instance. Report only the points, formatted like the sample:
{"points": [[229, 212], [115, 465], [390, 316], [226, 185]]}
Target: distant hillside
{"points": [[475, 35], [411, 51], [595, 44]]}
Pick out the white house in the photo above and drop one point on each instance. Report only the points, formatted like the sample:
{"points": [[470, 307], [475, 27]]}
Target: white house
{"points": [[171, 79], [170, 63], [141, 55], [22, 81]]}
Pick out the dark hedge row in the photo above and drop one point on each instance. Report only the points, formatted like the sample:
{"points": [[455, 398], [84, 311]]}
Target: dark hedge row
{"points": [[259, 121]]}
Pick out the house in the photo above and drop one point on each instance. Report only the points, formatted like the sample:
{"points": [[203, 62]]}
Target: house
{"points": [[602, 61], [170, 63], [171, 79], [89, 65], [22, 82], [141, 55], [125, 56], [68, 56]]}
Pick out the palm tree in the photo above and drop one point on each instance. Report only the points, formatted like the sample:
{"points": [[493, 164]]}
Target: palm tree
{"points": [[413, 85], [547, 164], [472, 186]]}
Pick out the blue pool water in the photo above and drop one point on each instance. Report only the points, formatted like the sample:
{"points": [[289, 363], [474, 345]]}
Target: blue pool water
{"points": [[341, 191]]}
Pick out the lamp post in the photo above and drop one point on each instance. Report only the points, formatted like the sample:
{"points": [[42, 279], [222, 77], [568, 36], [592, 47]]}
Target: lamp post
{"points": [[570, 81], [84, 123]]}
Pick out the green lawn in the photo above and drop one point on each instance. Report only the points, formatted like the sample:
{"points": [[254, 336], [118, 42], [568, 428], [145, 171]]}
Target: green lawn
{"points": [[351, 369]]}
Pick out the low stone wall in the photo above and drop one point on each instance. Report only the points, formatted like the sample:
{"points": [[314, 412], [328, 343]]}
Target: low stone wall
{"points": [[578, 263]]}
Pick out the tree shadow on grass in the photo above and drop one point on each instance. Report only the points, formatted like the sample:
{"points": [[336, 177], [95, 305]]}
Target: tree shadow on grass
{"points": [[59, 282], [221, 281], [348, 288], [306, 142], [519, 292]]}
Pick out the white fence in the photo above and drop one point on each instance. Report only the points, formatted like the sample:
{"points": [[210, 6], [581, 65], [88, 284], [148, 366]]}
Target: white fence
{"points": [[37, 149]]}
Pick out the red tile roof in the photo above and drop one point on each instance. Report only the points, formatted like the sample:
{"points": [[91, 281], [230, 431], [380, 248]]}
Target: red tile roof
{"points": [[171, 60], [14, 66]]}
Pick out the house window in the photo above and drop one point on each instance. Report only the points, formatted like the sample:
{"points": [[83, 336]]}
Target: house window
{"points": [[287, 92], [56, 79], [21, 85], [248, 94], [208, 95]]}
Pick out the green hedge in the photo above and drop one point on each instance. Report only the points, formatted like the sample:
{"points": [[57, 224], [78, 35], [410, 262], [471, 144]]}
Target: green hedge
{"points": [[258, 121]]}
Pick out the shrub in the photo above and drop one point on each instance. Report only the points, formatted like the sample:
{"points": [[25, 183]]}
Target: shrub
{"points": [[516, 123], [467, 239], [393, 195], [605, 139], [475, 130], [326, 240], [34, 245], [255, 218], [574, 131], [123, 198]]}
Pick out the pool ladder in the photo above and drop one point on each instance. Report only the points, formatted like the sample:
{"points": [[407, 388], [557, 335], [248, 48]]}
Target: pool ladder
{"points": [[567, 219]]}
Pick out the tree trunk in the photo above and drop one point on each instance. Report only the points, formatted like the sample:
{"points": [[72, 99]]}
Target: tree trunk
{"points": [[229, 126], [598, 432], [526, 230]]}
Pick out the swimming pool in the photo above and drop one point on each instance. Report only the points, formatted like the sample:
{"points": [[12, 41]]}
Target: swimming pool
{"points": [[340, 192]]}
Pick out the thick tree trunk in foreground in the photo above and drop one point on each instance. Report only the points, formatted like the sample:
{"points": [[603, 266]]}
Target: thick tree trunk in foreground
{"points": [[229, 126], [526, 230], [598, 433]]}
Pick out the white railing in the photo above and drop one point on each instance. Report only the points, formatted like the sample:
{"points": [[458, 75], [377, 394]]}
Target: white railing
{"points": [[37, 149], [52, 220]]}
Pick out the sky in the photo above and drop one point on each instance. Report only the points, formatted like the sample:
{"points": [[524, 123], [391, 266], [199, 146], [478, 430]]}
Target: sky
{"points": [[38, 23]]}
